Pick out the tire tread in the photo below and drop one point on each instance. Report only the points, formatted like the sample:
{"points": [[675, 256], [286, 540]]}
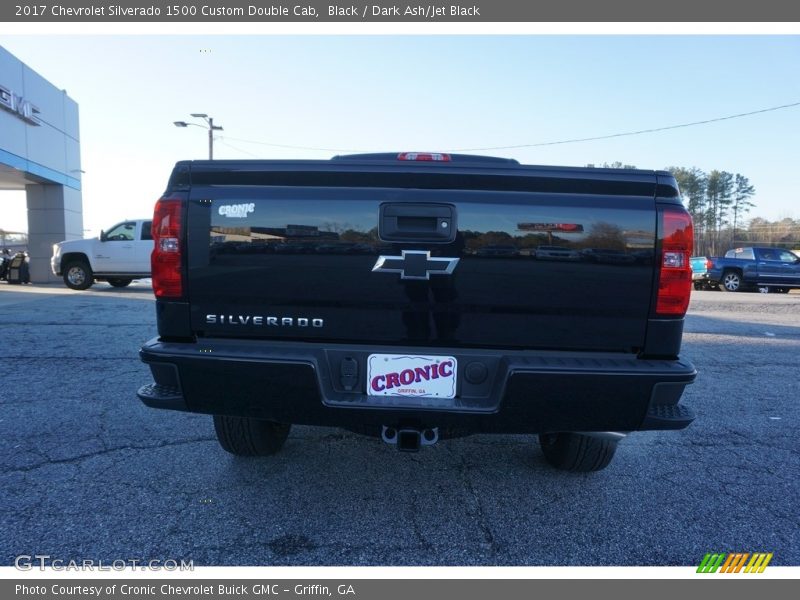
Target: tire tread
{"points": [[579, 453], [243, 436], [89, 275]]}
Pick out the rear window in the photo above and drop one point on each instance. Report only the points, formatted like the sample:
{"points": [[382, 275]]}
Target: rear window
{"points": [[147, 233], [744, 253]]}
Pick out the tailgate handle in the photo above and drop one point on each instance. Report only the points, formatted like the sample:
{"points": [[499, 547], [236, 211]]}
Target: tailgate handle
{"points": [[407, 222]]}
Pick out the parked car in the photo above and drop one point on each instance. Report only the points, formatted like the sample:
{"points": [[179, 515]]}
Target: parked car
{"points": [[497, 250], [117, 256], [756, 268], [16, 269], [607, 256], [556, 253], [700, 277], [5, 261]]}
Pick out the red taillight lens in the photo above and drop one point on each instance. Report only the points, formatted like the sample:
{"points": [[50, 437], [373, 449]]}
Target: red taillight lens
{"points": [[709, 264], [165, 260], [424, 156], [675, 271]]}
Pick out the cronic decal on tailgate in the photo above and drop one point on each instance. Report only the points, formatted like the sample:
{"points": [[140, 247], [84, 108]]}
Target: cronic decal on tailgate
{"points": [[237, 211]]}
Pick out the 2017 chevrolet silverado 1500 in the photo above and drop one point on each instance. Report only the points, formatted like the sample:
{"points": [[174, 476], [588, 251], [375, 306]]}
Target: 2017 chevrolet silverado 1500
{"points": [[118, 256], [767, 269], [351, 292]]}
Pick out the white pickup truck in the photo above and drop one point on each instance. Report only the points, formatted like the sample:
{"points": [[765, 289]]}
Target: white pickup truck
{"points": [[118, 256]]}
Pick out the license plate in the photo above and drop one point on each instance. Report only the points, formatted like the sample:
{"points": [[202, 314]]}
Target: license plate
{"points": [[411, 375]]}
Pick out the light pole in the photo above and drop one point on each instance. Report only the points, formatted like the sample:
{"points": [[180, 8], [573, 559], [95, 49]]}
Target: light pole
{"points": [[211, 129]]}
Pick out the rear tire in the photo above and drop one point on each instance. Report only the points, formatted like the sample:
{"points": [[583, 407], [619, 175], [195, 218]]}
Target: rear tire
{"points": [[119, 282], [576, 452], [242, 436], [731, 282], [78, 275]]}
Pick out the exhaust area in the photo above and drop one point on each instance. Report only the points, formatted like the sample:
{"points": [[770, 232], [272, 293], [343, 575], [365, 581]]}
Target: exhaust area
{"points": [[614, 436]]}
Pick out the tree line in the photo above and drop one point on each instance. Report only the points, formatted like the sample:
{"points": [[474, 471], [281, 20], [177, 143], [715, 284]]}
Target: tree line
{"points": [[719, 202], [784, 233]]}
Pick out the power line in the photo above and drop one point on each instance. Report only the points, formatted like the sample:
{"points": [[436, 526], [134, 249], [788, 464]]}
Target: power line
{"points": [[777, 226], [540, 144], [224, 143], [639, 132], [295, 147]]}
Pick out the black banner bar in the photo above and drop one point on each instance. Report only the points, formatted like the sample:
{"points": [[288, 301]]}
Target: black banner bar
{"points": [[314, 11]]}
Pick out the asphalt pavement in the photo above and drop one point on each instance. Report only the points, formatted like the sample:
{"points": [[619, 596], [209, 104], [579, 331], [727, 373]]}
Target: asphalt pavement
{"points": [[88, 472]]}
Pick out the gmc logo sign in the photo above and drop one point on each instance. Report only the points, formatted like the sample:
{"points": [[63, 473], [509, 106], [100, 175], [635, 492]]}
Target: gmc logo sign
{"points": [[19, 107]]}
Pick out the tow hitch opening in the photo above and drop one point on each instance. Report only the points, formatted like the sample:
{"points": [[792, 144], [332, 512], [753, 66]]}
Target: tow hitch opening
{"points": [[409, 439]]}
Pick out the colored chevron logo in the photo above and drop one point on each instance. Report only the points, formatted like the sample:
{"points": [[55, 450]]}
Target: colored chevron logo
{"points": [[735, 562]]}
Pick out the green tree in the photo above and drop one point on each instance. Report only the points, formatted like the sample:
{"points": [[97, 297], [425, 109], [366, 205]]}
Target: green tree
{"points": [[605, 235], [742, 192], [614, 165], [785, 232], [692, 184], [495, 238], [719, 197], [352, 235]]}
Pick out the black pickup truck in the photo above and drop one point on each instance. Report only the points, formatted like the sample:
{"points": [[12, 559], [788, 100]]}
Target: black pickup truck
{"points": [[353, 293]]}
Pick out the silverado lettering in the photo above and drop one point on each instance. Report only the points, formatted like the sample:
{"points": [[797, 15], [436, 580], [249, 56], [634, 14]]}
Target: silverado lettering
{"points": [[261, 320], [563, 318]]}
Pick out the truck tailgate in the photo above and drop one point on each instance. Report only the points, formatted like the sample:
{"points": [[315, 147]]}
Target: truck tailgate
{"points": [[307, 259]]}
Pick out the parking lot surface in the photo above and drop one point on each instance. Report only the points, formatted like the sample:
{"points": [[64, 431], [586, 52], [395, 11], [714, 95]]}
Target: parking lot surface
{"points": [[88, 472]]}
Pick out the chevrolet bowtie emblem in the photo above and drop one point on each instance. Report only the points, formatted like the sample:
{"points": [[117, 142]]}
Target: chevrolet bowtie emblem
{"points": [[415, 264]]}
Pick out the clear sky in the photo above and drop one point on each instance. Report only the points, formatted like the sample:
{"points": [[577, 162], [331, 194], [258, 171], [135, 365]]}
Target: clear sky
{"points": [[443, 92]]}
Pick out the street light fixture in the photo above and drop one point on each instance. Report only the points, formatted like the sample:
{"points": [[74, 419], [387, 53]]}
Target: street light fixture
{"points": [[209, 125]]}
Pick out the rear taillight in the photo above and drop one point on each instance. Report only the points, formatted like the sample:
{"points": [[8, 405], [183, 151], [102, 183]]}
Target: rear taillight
{"points": [[424, 156], [709, 264], [165, 260], [675, 270]]}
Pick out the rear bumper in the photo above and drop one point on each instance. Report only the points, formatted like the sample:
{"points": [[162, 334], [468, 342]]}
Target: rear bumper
{"points": [[523, 392], [702, 277]]}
